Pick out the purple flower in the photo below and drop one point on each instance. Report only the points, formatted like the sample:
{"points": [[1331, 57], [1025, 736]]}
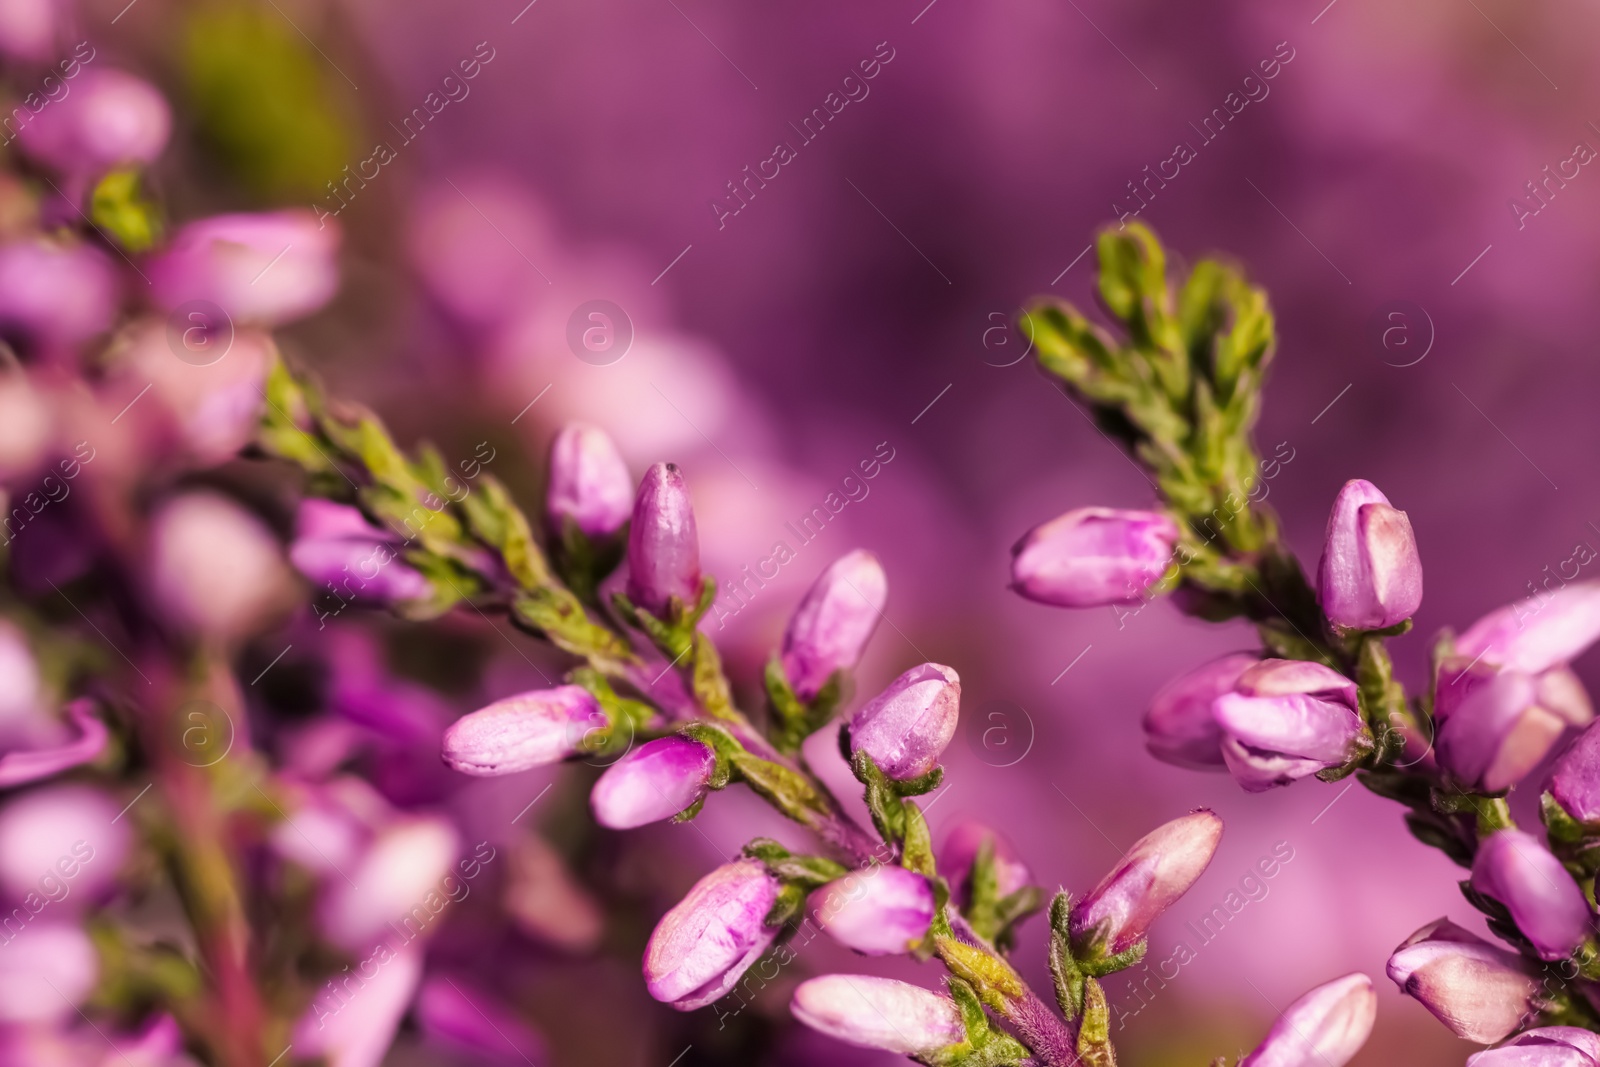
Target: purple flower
{"points": [[1286, 719], [880, 1013], [46, 970], [1093, 556], [906, 727], [54, 294], [215, 569], [19, 766], [834, 622], [355, 1029], [1158, 869], [1516, 869], [1370, 577], [1180, 727], [589, 482], [663, 544], [109, 119], [1536, 634], [1324, 1028], [1481, 992], [527, 730], [28, 28], [1548, 1046], [701, 948], [61, 844], [1576, 781], [264, 269], [961, 847], [339, 551], [393, 884], [878, 911], [1494, 726], [453, 1011], [655, 781]]}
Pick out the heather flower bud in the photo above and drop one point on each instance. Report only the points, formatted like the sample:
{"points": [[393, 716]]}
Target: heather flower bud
{"points": [[1538, 633], [1370, 577], [109, 119], [527, 730], [832, 625], [215, 569], [663, 544], [46, 970], [1548, 1046], [1324, 1028], [1494, 726], [456, 1013], [589, 482], [960, 850], [906, 727], [1158, 869], [1516, 869], [342, 553], [655, 781], [1286, 719], [1576, 781], [701, 948], [28, 28], [1179, 727], [54, 294], [880, 1013], [878, 911], [1093, 556], [63, 843], [347, 1027], [1481, 992], [264, 269]]}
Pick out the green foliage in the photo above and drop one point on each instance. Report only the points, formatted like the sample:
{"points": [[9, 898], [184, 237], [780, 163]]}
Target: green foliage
{"points": [[120, 209]]}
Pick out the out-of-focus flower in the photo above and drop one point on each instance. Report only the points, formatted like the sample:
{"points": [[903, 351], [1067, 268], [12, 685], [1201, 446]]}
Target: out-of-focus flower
{"points": [[1494, 726], [481, 272], [61, 844], [46, 971], [454, 1012], [663, 544], [48, 757], [906, 727], [1180, 727], [109, 119], [1576, 781], [655, 781], [28, 28], [589, 481], [356, 1031], [215, 569], [396, 881], [54, 293], [880, 1013], [1516, 869], [1158, 869], [878, 911], [1286, 719], [22, 715], [545, 901], [25, 427], [1370, 577], [527, 730], [961, 847], [1325, 1027], [1538, 633], [1481, 992], [1093, 556], [264, 269], [1548, 1046], [832, 625], [701, 948], [337, 549]]}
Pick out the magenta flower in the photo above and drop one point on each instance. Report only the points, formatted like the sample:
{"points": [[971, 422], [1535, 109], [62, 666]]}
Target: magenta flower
{"points": [[1536, 634], [109, 119], [214, 568], [264, 269], [454, 1011], [1576, 781], [28, 28], [1180, 727], [702, 947], [1516, 869], [20, 765], [960, 849], [878, 911], [906, 727], [356, 1030], [880, 1013], [655, 781], [339, 551], [63, 844], [1286, 719], [527, 730], [663, 544], [1370, 577], [389, 879], [47, 969], [1494, 726], [1158, 869], [54, 294], [1548, 1046], [1481, 992], [832, 625], [1093, 556], [1325, 1028], [589, 482]]}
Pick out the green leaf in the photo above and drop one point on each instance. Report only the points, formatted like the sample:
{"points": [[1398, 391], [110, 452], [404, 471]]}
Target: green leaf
{"points": [[120, 209]]}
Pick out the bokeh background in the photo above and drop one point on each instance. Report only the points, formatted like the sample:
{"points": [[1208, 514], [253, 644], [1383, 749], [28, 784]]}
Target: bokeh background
{"points": [[858, 302]]}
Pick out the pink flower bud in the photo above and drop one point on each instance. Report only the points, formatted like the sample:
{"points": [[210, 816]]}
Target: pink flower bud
{"points": [[1481, 992], [454, 1012], [1576, 781], [832, 625], [356, 1028], [1287, 719], [1179, 727], [62, 846], [906, 727], [108, 119], [878, 911], [1494, 726], [1548, 1046], [1516, 869], [655, 781], [393, 884], [589, 482], [1158, 869], [54, 294], [1324, 1028], [1093, 556], [880, 1013], [215, 569], [264, 269], [63, 749], [961, 846], [46, 971], [1370, 577], [28, 28], [1536, 634], [663, 544], [344, 555], [701, 948], [527, 730]]}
